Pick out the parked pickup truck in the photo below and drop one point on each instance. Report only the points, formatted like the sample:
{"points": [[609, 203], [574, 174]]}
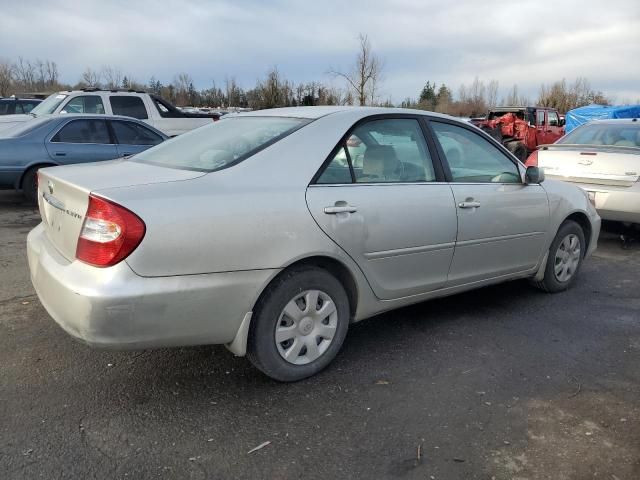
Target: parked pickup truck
{"points": [[522, 129], [144, 106]]}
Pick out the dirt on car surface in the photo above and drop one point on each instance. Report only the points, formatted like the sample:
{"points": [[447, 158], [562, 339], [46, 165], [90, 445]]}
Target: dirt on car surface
{"points": [[500, 383]]}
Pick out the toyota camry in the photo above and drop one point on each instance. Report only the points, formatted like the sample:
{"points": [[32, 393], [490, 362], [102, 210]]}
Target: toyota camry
{"points": [[272, 231]]}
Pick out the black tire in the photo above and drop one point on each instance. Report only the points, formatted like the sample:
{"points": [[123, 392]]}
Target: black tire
{"points": [[550, 282], [30, 185], [518, 150], [262, 349]]}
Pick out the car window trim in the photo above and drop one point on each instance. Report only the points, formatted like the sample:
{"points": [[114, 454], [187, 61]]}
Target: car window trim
{"points": [[440, 177], [60, 127], [481, 134]]}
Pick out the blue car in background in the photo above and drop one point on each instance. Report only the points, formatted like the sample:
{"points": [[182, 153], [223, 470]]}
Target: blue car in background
{"points": [[63, 139]]}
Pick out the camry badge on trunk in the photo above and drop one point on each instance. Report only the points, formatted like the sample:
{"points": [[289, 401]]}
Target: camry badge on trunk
{"points": [[586, 161]]}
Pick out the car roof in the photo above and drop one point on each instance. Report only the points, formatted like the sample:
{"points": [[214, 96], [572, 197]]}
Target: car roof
{"points": [[321, 111], [614, 121]]}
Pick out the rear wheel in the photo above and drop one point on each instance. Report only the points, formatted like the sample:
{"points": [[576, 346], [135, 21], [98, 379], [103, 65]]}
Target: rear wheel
{"points": [[30, 185], [299, 324], [565, 258]]}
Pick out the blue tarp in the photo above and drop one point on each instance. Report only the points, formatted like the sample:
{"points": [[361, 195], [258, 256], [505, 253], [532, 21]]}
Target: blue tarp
{"points": [[578, 116]]}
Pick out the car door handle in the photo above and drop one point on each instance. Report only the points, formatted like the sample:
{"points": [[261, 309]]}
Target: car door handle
{"points": [[340, 209], [61, 154], [469, 204]]}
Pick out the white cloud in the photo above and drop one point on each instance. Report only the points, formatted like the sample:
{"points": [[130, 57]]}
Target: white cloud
{"points": [[527, 42]]}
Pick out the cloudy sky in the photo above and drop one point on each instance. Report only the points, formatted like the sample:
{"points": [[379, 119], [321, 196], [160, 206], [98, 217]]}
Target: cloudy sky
{"points": [[515, 41]]}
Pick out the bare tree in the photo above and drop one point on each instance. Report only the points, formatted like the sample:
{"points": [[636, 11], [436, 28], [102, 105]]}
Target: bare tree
{"points": [[112, 76], [365, 75], [91, 78], [492, 93], [6, 78], [24, 74]]}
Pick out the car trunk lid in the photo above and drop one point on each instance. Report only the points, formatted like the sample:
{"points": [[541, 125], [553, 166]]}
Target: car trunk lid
{"points": [[63, 193], [600, 165]]}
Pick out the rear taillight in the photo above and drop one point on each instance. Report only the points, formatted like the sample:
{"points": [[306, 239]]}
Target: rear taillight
{"points": [[532, 161], [109, 233]]}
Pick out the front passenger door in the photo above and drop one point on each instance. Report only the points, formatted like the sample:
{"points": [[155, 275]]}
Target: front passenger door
{"points": [[81, 140], [501, 221]]}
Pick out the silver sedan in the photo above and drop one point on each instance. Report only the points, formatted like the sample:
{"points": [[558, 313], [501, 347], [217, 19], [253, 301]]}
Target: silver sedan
{"points": [[272, 231]]}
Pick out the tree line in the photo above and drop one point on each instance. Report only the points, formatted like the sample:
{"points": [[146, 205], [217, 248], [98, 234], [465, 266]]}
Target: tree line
{"points": [[361, 87]]}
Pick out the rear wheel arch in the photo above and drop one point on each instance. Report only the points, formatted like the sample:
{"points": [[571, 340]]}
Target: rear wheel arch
{"points": [[335, 267]]}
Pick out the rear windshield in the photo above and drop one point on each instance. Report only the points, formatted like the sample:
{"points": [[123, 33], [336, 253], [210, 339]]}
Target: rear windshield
{"points": [[622, 135], [221, 144]]}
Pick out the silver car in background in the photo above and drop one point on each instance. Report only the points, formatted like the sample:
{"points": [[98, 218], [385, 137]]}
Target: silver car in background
{"points": [[262, 231], [602, 157]]}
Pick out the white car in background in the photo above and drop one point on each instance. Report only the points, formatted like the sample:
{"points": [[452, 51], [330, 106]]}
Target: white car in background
{"points": [[147, 107], [602, 157]]}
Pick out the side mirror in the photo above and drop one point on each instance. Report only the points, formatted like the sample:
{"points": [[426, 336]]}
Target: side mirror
{"points": [[561, 122], [534, 175]]}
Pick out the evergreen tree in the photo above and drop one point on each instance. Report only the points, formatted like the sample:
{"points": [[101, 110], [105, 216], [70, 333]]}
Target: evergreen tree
{"points": [[428, 96]]}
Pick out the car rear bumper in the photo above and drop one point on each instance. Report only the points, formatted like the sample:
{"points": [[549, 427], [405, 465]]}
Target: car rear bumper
{"points": [[114, 307], [620, 204]]}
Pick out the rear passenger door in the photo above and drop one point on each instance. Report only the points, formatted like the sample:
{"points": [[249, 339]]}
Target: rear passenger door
{"points": [[501, 221], [81, 140], [382, 199], [132, 138]]}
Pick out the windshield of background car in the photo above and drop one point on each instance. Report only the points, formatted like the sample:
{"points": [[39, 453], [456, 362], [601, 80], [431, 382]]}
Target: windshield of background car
{"points": [[49, 104], [622, 135], [221, 144]]}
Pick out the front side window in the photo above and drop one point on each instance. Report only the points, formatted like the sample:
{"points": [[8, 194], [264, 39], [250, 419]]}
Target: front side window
{"points": [[83, 131], [553, 119], [129, 133], [128, 106], [382, 151], [84, 104], [540, 118], [220, 144], [473, 159]]}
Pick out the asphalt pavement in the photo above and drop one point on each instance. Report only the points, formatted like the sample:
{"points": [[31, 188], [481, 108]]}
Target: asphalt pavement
{"points": [[504, 382]]}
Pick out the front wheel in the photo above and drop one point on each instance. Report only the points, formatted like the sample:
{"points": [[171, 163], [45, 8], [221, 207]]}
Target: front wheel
{"points": [[565, 258], [299, 325]]}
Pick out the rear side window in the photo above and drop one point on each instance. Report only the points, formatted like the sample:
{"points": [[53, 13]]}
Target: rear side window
{"points": [[129, 133], [221, 144], [83, 131], [4, 108], [128, 106], [26, 107], [85, 104], [382, 151]]}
